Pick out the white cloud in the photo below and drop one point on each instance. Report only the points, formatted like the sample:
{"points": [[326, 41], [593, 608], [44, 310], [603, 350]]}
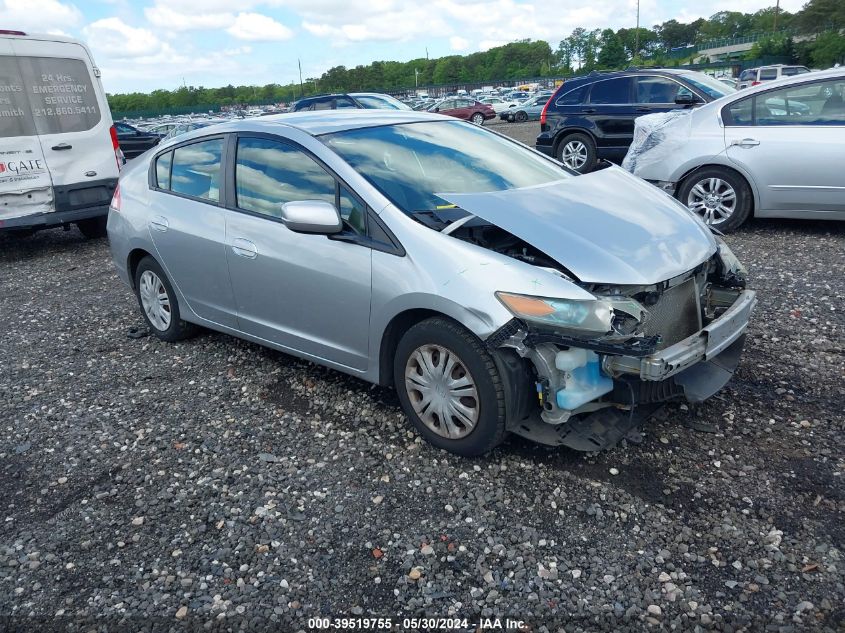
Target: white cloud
{"points": [[118, 40], [457, 43], [165, 17], [257, 27], [39, 15]]}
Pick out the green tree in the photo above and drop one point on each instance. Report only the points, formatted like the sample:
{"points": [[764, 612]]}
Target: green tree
{"points": [[612, 54], [828, 49]]}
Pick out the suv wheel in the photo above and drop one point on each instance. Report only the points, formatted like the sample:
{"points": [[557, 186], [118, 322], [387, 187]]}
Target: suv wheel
{"points": [[93, 228], [450, 388], [578, 152], [477, 118], [158, 303], [717, 195]]}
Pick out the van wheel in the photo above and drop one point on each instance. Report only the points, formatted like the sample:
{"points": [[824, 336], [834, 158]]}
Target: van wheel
{"points": [[93, 228], [717, 195], [578, 152], [158, 303], [450, 388]]}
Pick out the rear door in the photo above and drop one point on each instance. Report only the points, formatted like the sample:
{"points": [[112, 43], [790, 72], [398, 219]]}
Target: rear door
{"points": [[70, 111], [612, 111], [25, 185], [790, 141]]}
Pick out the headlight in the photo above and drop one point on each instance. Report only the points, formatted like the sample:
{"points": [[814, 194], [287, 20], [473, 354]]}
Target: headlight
{"points": [[594, 317], [733, 271]]}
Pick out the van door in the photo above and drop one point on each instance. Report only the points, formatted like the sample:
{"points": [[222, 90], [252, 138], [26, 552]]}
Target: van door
{"points": [[72, 120], [25, 185]]}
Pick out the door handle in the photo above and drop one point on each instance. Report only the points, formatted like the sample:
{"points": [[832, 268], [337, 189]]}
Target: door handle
{"points": [[159, 223], [244, 248], [643, 109], [746, 142], [61, 146], [589, 110]]}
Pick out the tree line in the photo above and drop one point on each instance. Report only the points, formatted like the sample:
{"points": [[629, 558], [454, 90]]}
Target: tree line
{"points": [[582, 51]]}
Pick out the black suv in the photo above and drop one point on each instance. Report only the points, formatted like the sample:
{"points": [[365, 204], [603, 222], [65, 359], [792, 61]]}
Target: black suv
{"points": [[592, 117], [365, 100]]}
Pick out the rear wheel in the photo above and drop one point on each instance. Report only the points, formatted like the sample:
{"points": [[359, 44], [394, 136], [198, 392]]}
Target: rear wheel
{"points": [[521, 116], [578, 152], [158, 303], [450, 388], [717, 195], [477, 118], [93, 228]]}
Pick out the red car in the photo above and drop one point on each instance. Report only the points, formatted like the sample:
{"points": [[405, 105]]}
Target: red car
{"points": [[464, 108]]}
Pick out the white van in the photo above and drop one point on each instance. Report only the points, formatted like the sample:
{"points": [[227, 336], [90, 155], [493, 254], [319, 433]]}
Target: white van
{"points": [[59, 154]]}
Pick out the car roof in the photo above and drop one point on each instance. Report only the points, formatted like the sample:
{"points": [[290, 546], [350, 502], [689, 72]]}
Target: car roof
{"points": [[322, 121]]}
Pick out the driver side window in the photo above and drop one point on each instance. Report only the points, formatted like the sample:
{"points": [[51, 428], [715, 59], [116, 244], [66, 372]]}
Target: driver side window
{"points": [[269, 173]]}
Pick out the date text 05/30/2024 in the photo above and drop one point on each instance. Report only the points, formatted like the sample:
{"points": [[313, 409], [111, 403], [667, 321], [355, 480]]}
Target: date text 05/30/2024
{"points": [[415, 624]]}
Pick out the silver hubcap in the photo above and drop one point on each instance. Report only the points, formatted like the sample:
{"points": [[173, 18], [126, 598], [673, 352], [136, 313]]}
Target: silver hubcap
{"points": [[713, 199], [478, 119], [442, 391], [574, 154], [154, 300]]}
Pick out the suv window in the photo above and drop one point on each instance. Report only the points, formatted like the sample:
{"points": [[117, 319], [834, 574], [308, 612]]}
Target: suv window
{"points": [[196, 169], [789, 71], [657, 90], [46, 95], [270, 173], [573, 97], [612, 91], [767, 74], [748, 74]]}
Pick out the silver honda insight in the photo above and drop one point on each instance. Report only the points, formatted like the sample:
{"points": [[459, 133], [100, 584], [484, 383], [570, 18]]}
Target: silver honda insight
{"points": [[496, 290]]}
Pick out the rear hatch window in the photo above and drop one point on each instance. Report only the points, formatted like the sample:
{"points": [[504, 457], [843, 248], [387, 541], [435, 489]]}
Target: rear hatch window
{"points": [[46, 95]]}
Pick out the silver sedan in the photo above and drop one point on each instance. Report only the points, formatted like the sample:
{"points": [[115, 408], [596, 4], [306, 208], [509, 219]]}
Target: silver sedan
{"points": [[776, 150], [496, 290]]}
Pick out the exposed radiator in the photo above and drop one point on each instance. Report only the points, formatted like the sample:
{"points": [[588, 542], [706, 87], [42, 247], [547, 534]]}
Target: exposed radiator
{"points": [[676, 315]]}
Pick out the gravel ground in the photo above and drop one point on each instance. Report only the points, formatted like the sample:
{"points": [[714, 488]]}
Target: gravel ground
{"points": [[214, 484]]}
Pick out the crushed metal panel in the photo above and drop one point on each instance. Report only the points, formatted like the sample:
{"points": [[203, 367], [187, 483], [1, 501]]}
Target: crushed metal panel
{"points": [[18, 204], [604, 227]]}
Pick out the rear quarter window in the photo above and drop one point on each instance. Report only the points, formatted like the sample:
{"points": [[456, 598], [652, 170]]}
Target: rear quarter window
{"points": [[574, 96]]}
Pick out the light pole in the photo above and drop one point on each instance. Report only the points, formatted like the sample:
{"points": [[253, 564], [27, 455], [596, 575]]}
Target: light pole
{"points": [[416, 78], [637, 33]]}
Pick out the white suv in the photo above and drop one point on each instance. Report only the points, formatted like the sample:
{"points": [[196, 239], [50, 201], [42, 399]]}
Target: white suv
{"points": [[755, 76]]}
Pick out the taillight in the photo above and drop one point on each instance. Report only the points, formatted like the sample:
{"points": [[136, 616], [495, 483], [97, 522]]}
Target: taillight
{"points": [[755, 83], [118, 153], [114, 205], [545, 108]]}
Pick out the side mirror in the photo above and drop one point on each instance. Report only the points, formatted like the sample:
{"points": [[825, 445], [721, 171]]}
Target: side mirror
{"points": [[686, 99], [311, 216]]}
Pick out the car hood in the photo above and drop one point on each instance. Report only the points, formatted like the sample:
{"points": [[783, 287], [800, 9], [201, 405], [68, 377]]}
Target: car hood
{"points": [[604, 227]]}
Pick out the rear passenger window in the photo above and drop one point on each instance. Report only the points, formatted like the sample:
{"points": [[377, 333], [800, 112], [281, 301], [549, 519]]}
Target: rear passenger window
{"points": [[196, 170], [163, 170], [768, 74], [573, 97], [269, 173], [612, 91]]}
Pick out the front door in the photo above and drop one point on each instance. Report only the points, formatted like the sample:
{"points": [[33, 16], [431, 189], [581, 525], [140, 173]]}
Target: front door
{"points": [[307, 293], [788, 140]]}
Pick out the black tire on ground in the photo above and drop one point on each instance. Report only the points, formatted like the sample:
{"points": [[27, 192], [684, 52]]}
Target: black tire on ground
{"points": [[93, 228], [521, 116], [477, 118], [178, 329], [744, 197], [588, 143], [489, 430]]}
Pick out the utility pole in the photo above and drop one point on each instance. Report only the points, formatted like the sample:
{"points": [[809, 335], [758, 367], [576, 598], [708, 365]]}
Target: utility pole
{"points": [[416, 78], [301, 88], [637, 32], [777, 10]]}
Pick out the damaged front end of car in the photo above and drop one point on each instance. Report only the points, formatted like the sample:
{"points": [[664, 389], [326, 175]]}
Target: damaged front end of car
{"points": [[601, 367]]}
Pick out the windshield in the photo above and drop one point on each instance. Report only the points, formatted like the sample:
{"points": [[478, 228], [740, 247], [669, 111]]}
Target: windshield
{"points": [[382, 102], [709, 85], [410, 162]]}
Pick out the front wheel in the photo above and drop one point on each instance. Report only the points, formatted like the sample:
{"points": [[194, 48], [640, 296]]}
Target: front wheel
{"points": [[521, 117], [719, 196], [93, 228], [477, 118], [450, 388]]}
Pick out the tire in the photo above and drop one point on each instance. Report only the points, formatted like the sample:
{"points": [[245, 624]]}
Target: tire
{"points": [[477, 118], [719, 196], [578, 152], [521, 117], [444, 340], [149, 275], [93, 228]]}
